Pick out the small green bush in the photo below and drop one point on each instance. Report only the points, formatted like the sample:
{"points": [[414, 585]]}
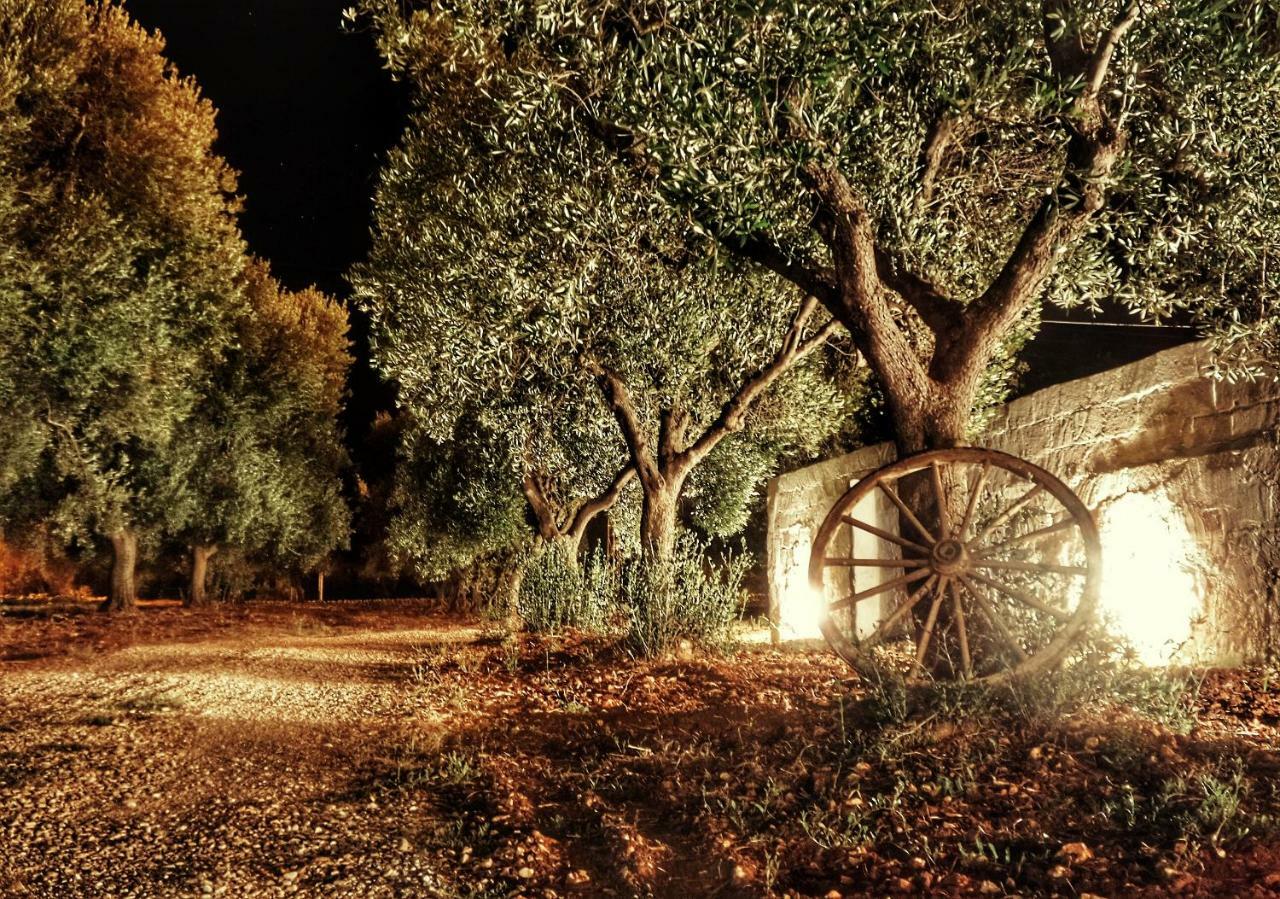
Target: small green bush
{"points": [[686, 597], [557, 592]]}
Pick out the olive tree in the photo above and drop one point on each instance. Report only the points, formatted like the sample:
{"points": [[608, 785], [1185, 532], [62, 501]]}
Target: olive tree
{"points": [[117, 270], [612, 339], [262, 454], [930, 172]]}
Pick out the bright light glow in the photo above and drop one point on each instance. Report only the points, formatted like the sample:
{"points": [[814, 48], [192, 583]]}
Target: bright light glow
{"points": [[1150, 593], [800, 612]]}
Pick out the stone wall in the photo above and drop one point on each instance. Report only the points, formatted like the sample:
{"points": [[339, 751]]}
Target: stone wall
{"points": [[1182, 471]]}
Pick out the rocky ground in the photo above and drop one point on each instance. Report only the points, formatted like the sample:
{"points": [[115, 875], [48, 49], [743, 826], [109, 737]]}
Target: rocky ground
{"points": [[377, 749]]}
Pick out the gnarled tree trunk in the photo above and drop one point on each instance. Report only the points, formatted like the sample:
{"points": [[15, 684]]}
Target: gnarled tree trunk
{"points": [[658, 519], [123, 596], [555, 525], [197, 596]]}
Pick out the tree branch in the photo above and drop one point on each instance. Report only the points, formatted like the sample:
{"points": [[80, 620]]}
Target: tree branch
{"points": [[935, 147], [673, 426], [593, 507], [864, 307], [541, 506], [934, 308], [812, 282], [618, 399], [1094, 147], [733, 414], [756, 247], [1067, 56], [1101, 59]]}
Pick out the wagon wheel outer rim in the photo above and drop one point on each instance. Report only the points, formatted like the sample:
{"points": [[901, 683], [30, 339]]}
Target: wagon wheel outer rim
{"points": [[1046, 657]]}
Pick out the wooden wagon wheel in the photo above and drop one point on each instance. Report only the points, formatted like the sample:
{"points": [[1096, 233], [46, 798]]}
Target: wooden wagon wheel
{"points": [[995, 563]]}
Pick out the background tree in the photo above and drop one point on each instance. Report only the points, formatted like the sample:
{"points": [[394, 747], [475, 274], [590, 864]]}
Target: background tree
{"points": [[263, 453], [931, 172], [536, 288], [117, 270]]}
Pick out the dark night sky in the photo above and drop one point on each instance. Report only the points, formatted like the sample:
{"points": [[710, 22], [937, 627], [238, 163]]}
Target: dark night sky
{"points": [[305, 115]]}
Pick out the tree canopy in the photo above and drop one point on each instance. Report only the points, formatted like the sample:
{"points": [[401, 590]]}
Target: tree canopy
{"points": [[596, 330], [262, 454], [930, 172], [159, 382], [121, 252]]}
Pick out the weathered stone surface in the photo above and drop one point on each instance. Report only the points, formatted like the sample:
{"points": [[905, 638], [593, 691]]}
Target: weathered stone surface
{"points": [[1182, 471]]}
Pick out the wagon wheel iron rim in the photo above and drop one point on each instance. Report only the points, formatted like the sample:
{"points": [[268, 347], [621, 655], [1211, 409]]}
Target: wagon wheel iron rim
{"points": [[963, 564]]}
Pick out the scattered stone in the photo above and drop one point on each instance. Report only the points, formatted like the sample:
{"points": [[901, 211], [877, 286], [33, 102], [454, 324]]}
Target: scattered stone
{"points": [[1075, 853]]}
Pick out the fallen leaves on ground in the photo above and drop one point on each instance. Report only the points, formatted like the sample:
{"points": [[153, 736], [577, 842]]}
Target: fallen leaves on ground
{"points": [[370, 752]]}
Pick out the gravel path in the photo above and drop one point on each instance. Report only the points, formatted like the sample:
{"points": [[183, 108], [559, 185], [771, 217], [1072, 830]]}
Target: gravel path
{"points": [[247, 765]]}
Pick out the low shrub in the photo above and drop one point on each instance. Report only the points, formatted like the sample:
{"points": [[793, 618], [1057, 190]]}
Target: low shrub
{"points": [[687, 597], [558, 592]]}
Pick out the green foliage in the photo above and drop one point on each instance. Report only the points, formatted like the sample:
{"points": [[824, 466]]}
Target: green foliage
{"points": [[731, 107], [558, 592], [118, 258], [263, 452], [455, 502], [724, 488], [500, 285], [685, 597]]}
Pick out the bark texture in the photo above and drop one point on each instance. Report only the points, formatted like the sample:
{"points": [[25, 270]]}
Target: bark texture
{"points": [[197, 595], [123, 596]]}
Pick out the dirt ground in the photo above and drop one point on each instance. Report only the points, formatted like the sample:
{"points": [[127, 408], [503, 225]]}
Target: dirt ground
{"points": [[378, 749]]}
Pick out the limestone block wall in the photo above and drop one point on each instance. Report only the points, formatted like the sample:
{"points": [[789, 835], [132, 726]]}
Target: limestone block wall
{"points": [[1182, 471]]}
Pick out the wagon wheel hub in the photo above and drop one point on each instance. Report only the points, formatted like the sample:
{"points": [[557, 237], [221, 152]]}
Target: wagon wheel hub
{"points": [[949, 557]]}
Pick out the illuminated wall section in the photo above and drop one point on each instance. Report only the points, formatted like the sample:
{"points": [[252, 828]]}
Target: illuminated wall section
{"points": [[1183, 473]]}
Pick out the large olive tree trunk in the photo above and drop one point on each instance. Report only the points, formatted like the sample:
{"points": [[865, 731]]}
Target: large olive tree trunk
{"points": [[659, 518], [197, 596], [123, 595]]}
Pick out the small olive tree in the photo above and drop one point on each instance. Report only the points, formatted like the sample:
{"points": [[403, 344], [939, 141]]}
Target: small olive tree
{"points": [[262, 454], [550, 293]]}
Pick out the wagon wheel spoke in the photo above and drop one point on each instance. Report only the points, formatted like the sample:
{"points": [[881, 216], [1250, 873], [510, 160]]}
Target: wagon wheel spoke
{"points": [[1022, 596], [884, 535], [910, 516], [996, 622], [940, 497], [966, 660], [1045, 567], [974, 492], [1007, 514], [1057, 526], [956, 527], [929, 624], [880, 588], [839, 561], [887, 626]]}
